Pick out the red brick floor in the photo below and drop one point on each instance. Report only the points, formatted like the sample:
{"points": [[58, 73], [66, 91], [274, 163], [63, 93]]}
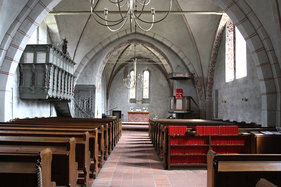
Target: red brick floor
{"points": [[134, 162]]}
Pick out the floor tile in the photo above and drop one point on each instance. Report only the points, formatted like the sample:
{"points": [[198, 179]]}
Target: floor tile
{"points": [[134, 162]]}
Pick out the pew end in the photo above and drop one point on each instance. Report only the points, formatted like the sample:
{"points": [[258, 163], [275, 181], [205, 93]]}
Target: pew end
{"points": [[26, 169], [242, 169]]}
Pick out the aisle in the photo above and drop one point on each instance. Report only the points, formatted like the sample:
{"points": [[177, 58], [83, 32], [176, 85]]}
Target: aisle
{"points": [[135, 163]]}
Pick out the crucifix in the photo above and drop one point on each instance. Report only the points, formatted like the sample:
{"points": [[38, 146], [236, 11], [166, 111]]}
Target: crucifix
{"points": [[139, 102]]}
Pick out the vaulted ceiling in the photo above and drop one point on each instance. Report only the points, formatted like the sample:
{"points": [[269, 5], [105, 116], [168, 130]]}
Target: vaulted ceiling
{"points": [[191, 28]]}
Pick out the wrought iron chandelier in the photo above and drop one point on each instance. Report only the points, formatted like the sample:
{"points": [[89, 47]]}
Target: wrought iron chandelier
{"points": [[127, 10], [130, 78]]}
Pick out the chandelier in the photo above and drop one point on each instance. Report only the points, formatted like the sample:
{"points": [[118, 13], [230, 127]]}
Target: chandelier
{"points": [[128, 10], [130, 78]]}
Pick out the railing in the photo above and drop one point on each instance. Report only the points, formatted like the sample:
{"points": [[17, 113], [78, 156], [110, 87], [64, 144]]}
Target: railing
{"points": [[46, 73], [87, 114]]}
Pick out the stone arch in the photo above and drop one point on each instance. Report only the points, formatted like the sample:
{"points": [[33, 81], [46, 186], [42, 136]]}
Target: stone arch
{"points": [[124, 65], [262, 50], [121, 34], [14, 42], [239, 11], [121, 41], [212, 65]]}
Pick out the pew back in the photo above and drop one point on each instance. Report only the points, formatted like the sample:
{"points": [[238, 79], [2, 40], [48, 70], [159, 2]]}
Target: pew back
{"points": [[64, 167], [26, 170], [242, 169]]}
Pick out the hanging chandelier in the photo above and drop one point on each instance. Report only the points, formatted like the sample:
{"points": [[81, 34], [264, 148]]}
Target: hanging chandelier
{"points": [[130, 78], [128, 11]]}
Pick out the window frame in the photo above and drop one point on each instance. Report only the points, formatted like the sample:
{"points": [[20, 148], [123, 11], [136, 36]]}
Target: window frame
{"points": [[132, 99], [146, 100], [230, 76], [240, 53]]}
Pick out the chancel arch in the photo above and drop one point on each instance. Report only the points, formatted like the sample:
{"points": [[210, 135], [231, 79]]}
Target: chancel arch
{"points": [[30, 13], [161, 53]]}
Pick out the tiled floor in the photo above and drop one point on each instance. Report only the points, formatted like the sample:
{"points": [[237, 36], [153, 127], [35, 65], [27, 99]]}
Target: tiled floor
{"points": [[135, 163]]}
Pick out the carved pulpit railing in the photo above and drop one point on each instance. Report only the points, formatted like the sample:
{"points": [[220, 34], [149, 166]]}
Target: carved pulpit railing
{"points": [[46, 73]]}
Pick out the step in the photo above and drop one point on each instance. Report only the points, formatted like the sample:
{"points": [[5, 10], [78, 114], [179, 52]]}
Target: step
{"points": [[135, 123]]}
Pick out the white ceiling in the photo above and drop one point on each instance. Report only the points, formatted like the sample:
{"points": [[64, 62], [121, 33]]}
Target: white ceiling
{"points": [[193, 34]]}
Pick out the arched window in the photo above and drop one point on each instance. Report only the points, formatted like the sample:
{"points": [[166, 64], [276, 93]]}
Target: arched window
{"points": [[145, 91], [229, 52], [240, 55], [235, 54], [132, 85]]}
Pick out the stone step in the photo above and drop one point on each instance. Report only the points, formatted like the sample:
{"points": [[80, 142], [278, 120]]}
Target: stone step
{"points": [[135, 123]]}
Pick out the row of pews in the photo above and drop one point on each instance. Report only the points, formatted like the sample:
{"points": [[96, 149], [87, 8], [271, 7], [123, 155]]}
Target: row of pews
{"points": [[234, 170], [55, 151], [235, 154]]}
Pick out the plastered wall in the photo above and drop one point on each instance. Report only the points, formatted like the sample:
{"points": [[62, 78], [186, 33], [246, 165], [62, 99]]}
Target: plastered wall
{"points": [[229, 102], [28, 108], [159, 94]]}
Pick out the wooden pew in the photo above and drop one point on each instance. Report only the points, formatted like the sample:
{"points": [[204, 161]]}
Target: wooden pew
{"points": [[82, 154], [95, 146], [26, 170], [268, 143], [64, 168], [264, 183], [58, 124], [234, 170], [102, 131], [158, 129], [173, 156], [114, 125]]}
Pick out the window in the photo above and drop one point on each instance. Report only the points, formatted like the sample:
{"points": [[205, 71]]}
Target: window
{"points": [[145, 90], [235, 54], [139, 85], [132, 91], [240, 55], [40, 35], [229, 53]]}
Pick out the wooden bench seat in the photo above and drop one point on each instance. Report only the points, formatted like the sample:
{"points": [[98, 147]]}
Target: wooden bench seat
{"points": [[26, 170], [114, 125], [82, 147], [95, 143], [75, 125], [102, 132], [109, 132], [174, 155], [158, 128], [64, 168], [242, 169]]}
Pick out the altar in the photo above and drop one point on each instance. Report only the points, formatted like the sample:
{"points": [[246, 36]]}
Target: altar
{"points": [[138, 116]]}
